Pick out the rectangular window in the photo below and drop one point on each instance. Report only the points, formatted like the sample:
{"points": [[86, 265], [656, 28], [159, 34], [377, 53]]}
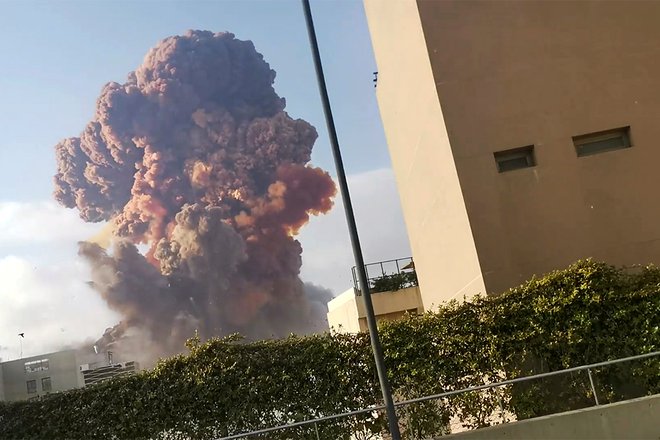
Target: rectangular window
{"points": [[31, 386], [46, 385], [515, 159], [36, 366], [602, 141]]}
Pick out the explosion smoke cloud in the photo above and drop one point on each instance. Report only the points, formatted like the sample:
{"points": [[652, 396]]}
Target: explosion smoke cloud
{"points": [[195, 157]]}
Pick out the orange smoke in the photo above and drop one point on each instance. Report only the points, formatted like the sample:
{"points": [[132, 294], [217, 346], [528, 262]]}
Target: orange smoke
{"points": [[195, 156]]}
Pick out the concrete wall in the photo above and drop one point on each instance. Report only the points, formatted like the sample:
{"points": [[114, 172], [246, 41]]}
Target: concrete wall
{"points": [[343, 313], [62, 370], [634, 419], [435, 214], [346, 312], [2, 385], [510, 74]]}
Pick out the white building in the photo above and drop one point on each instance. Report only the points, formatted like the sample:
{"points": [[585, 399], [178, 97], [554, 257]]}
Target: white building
{"points": [[36, 376]]}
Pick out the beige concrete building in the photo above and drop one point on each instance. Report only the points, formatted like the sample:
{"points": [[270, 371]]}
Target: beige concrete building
{"points": [[346, 312], [523, 135], [394, 293]]}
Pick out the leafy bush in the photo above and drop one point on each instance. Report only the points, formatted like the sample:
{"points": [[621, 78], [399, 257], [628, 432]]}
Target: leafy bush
{"points": [[393, 282], [587, 313]]}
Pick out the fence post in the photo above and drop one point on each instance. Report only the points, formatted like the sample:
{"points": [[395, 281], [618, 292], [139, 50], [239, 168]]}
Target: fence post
{"points": [[316, 429], [593, 388]]}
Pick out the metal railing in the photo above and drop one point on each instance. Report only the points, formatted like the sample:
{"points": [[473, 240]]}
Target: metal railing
{"points": [[380, 275], [504, 383]]}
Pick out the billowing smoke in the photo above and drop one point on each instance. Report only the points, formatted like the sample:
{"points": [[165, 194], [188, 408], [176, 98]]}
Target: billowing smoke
{"points": [[195, 159]]}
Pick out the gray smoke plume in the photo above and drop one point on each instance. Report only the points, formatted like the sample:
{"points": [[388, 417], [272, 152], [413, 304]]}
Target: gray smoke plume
{"points": [[195, 158]]}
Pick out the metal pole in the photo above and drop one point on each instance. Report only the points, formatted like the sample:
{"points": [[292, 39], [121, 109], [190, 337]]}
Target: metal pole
{"points": [[352, 228], [593, 388]]}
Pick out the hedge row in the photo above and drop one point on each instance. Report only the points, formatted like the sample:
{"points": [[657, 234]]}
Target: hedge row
{"points": [[587, 313]]}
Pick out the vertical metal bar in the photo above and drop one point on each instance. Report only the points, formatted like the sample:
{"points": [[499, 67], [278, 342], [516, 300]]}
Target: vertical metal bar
{"points": [[352, 228], [382, 269], [398, 271], [316, 428], [593, 388]]}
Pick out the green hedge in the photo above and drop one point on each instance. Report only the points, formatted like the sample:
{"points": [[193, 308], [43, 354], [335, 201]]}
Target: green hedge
{"points": [[393, 282], [587, 313]]}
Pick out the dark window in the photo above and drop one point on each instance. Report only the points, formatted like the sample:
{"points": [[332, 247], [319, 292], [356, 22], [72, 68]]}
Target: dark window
{"points": [[31, 386], [601, 142], [515, 159], [46, 385]]}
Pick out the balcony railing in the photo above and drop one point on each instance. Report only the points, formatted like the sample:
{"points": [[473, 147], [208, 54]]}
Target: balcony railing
{"points": [[388, 275]]}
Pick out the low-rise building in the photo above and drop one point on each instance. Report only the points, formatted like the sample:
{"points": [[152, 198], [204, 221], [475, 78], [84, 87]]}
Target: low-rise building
{"points": [[36, 376], [394, 292], [99, 372]]}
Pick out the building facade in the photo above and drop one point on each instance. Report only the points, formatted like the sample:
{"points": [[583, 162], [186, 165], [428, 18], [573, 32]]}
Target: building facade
{"points": [[102, 371], [394, 293], [522, 135], [36, 376], [2, 386], [346, 313]]}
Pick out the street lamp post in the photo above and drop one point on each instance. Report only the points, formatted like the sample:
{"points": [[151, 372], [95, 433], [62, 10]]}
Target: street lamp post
{"points": [[352, 228], [21, 336]]}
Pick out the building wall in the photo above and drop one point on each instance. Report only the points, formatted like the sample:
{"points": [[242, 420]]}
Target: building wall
{"points": [[633, 419], [2, 385], [346, 313], [62, 370], [434, 211], [343, 313], [93, 374], [510, 74]]}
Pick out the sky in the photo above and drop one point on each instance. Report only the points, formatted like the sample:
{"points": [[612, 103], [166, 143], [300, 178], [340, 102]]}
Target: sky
{"points": [[57, 55]]}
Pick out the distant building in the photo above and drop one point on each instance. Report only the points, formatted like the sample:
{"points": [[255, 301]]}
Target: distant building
{"points": [[523, 135], [394, 293], [346, 312], [36, 376], [99, 372], [2, 386]]}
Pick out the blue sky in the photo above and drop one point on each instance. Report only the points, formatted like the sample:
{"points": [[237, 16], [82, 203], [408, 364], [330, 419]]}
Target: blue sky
{"points": [[56, 56]]}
